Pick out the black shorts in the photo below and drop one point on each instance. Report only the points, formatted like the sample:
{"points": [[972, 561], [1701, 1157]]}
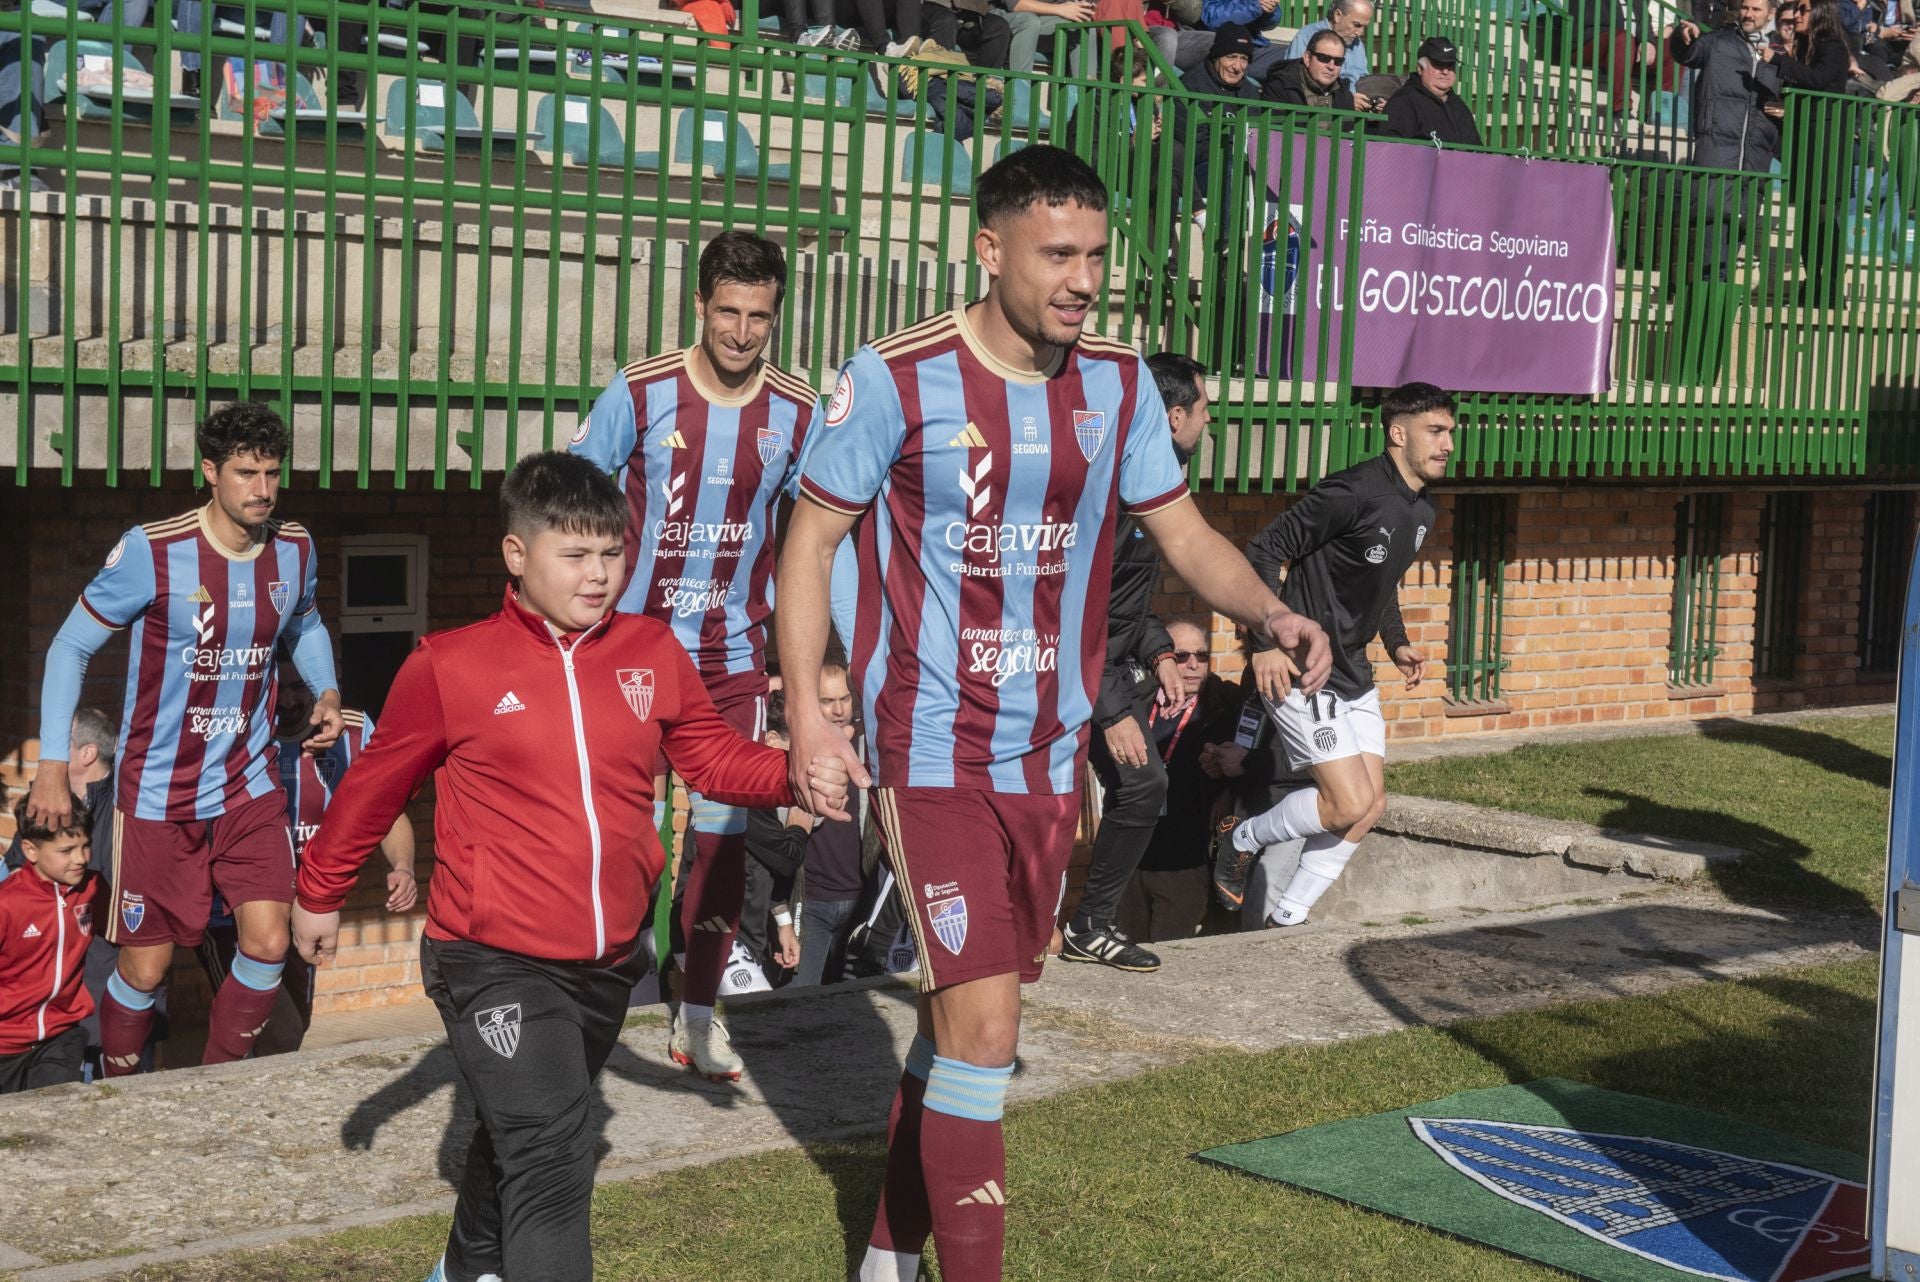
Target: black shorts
{"points": [[54, 1062]]}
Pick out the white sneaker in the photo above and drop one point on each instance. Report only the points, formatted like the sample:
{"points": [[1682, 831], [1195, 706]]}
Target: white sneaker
{"points": [[702, 1046]]}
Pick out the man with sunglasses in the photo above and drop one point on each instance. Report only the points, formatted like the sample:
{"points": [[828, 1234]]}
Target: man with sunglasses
{"points": [[1314, 80], [1142, 672]]}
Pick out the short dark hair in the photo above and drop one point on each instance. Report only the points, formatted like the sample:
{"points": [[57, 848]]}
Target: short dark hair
{"points": [[833, 666], [79, 823], [777, 713], [94, 726], [1036, 175], [1194, 621], [1126, 62], [1326, 33], [244, 427], [744, 259], [1409, 399], [1178, 378], [561, 491]]}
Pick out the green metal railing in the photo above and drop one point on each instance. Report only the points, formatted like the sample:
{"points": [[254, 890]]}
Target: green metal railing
{"points": [[1694, 642], [1784, 525], [1475, 617], [1884, 559], [448, 281]]}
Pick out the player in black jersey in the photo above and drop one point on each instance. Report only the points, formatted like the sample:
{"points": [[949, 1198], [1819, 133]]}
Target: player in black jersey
{"points": [[1345, 546]]}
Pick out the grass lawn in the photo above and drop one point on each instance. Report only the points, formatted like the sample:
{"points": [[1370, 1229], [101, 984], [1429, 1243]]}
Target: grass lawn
{"points": [[1103, 1185], [1809, 800]]}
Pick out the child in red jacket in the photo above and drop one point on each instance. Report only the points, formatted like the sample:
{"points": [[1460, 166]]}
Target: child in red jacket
{"points": [[541, 726], [46, 923]]}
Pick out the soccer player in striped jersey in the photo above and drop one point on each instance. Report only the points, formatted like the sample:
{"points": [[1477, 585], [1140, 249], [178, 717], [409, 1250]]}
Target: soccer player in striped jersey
{"points": [[205, 597], [992, 450], [310, 780], [704, 442]]}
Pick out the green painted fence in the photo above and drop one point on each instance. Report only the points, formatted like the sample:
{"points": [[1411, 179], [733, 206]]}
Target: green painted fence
{"points": [[446, 280]]}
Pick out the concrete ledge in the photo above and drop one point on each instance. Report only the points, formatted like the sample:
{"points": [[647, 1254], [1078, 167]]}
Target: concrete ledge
{"points": [[1507, 832]]}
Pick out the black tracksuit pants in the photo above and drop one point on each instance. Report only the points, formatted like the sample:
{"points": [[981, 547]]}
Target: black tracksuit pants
{"points": [[1133, 797], [530, 1036]]}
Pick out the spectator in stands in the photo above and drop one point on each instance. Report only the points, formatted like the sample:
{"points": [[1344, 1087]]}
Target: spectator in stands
{"points": [[1135, 119], [1256, 17], [1034, 20], [980, 34], [1168, 896], [1348, 19], [1315, 80], [1818, 60], [1786, 24], [1174, 25], [1606, 36], [22, 94], [1733, 128], [859, 25], [1223, 73], [1427, 107]]}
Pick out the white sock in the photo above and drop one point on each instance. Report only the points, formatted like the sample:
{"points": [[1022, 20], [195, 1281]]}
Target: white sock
{"points": [[1297, 816], [889, 1266], [690, 1011], [1321, 864]]}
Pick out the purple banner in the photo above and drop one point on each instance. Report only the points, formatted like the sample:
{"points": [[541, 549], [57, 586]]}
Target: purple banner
{"points": [[1476, 272]]}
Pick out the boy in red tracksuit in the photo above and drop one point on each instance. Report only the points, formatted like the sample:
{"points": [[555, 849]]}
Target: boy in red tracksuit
{"points": [[541, 726], [46, 923]]}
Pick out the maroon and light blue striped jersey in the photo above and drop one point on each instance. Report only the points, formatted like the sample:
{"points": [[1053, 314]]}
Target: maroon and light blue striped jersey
{"points": [[981, 622], [197, 729], [310, 778], [702, 472]]}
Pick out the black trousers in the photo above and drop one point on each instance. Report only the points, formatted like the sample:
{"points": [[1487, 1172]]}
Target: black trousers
{"points": [[53, 1062], [1133, 796], [529, 1037]]}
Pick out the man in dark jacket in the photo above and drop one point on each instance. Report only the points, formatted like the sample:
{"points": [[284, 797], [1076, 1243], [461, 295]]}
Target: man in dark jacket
{"points": [[1223, 73], [1314, 79], [1140, 669], [1427, 107], [1732, 88]]}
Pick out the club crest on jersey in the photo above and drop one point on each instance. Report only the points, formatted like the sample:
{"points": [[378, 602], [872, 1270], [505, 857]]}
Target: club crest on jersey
{"points": [[636, 687], [841, 403], [770, 440], [279, 592], [949, 919], [1090, 430], [83, 918], [500, 1029], [133, 911]]}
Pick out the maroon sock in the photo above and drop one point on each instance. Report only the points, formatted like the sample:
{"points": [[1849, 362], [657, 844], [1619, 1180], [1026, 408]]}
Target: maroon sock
{"points": [[241, 1010], [123, 1034], [965, 1163], [710, 913], [903, 1220]]}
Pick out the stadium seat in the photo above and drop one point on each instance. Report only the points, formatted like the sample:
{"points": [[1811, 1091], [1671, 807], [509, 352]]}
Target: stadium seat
{"points": [[1007, 147], [572, 136], [1020, 102], [712, 129], [92, 96], [619, 68], [427, 107], [924, 156]]}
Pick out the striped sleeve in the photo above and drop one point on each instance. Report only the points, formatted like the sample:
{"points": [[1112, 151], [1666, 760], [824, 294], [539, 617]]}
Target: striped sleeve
{"points": [[125, 584], [860, 436], [1150, 474]]}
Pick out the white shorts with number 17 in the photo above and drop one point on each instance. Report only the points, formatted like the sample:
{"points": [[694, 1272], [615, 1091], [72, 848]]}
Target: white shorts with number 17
{"points": [[1324, 727]]}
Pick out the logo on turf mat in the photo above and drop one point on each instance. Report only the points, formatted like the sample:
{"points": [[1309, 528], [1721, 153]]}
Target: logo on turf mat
{"points": [[949, 918], [1699, 1210], [1090, 431], [133, 910], [500, 1028], [636, 687]]}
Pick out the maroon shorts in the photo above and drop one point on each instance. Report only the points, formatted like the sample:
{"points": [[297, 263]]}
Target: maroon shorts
{"points": [[165, 873], [983, 874], [741, 701]]}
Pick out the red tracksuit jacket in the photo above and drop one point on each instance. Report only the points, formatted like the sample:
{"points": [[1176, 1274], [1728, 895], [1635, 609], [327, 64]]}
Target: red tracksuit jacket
{"points": [[44, 932], [543, 817]]}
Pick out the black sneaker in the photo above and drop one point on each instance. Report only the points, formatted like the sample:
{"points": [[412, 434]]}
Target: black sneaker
{"points": [[1108, 946], [1231, 865]]}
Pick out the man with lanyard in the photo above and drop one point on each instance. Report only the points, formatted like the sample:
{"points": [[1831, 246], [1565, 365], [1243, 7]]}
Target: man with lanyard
{"points": [[1139, 687]]}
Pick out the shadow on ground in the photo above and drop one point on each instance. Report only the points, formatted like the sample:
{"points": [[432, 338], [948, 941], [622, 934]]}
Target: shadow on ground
{"points": [[1828, 752]]}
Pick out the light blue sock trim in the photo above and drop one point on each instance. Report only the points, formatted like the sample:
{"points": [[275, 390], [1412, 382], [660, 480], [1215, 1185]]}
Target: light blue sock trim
{"points": [[717, 816], [920, 1057], [659, 822], [261, 977], [439, 1273], [967, 1090], [127, 995]]}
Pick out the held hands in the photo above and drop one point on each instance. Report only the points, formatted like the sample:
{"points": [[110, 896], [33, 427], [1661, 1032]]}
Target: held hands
{"points": [[1412, 662], [1126, 743], [326, 715], [315, 934], [1305, 642], [821, 764], [51, 800]]}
